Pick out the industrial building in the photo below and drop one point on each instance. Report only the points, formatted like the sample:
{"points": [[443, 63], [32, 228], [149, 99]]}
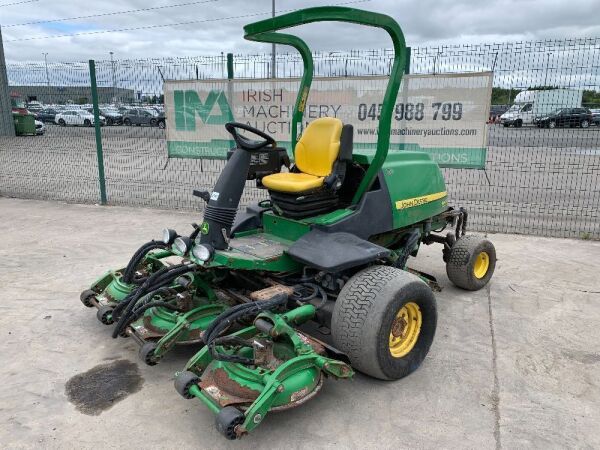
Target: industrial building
{"points": [[71, 94]]}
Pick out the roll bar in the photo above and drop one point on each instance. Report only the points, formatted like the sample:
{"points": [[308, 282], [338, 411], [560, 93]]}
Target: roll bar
{"points": [[266, 31]]}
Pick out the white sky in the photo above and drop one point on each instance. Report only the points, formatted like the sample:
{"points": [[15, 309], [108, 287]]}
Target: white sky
{"points": [[425, 22]]}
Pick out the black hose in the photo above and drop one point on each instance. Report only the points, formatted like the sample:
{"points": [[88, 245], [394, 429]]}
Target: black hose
{"points": [[316, 291], [231, 341], [225, 319], [137, 257], [160, 278]]}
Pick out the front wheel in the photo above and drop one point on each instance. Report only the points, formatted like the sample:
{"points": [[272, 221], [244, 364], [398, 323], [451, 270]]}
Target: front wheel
{"points": [[162, 124], [87, 122], [552, 124], [471, 262], [127, 122], [62, 122], [385, 319], [518, 123], [585, 123]]}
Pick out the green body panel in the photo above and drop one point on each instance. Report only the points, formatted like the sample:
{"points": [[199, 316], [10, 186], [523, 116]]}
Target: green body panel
{"points": [[414, 175], [284, 227]]}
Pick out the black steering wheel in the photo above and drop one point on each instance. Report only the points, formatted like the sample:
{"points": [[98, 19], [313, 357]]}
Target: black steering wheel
{"points": [[248, 144]]}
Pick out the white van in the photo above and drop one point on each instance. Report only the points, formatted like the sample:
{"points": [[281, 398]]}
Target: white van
{"points": [[532, 104]]}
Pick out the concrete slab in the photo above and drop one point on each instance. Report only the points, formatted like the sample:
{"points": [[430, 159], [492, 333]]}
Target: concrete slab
{"points": [[516, 365]]}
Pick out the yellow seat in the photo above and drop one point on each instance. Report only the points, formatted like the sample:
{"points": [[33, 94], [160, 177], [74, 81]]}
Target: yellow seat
{"points": [[316, 152]]}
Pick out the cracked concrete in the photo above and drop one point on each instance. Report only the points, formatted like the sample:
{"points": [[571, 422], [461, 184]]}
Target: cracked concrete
{"points": [[516, 365]]}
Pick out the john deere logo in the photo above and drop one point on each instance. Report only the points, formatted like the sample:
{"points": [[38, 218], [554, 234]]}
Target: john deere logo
{"points": [[214, 110], [204, 228]]}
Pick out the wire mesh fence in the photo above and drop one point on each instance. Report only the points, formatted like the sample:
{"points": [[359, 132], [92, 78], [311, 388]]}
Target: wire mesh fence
{"points": [[542, 181]]}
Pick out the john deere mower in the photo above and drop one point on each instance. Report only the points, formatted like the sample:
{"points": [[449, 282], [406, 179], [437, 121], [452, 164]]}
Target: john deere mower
{"points": [[317, 271]]}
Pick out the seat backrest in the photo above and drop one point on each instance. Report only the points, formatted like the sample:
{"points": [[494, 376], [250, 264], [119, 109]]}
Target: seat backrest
{"points": [[319, 146]]}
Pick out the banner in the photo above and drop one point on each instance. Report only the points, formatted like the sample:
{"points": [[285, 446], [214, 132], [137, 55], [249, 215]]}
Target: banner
{"points": [[443, 115]]}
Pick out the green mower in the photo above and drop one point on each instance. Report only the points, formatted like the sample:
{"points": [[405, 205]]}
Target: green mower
{"points": [[325, 255]]}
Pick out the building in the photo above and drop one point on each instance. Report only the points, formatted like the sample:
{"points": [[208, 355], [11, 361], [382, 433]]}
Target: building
{"points": [[71, 94]]}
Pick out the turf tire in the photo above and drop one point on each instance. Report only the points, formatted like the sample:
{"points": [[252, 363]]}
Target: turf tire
{"points": [[461, 261], [363, 316]]}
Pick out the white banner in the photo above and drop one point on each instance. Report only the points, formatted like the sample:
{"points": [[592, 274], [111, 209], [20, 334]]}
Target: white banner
{"points": [[443, 115]]}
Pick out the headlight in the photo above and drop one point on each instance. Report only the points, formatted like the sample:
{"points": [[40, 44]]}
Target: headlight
{"points": [[168, 235], [202, 252], [182, 244]]}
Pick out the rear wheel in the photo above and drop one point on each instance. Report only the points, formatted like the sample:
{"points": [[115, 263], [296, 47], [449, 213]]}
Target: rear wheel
{"points": [[471, 262], [127, 122], [552, 124], [87, 122], [152, 122], [62, 122], [162, 124], [518, 123], [585, 123], [385, 319]]}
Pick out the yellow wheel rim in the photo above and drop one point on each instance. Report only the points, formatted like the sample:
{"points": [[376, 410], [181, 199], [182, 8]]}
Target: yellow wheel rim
{"points": [[405, 330], [482, 264]]}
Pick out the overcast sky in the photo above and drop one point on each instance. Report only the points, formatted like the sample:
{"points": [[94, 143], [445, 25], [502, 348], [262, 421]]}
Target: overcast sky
{"points": [[424, 22]]}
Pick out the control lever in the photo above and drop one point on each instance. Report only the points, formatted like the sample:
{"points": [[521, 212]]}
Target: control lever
{"points": [[204, 195]]}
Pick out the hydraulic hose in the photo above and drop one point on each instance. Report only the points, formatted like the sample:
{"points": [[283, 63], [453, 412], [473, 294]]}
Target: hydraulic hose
{"points": [[224, 320], [162, 277], [137, 257], [316, 291]]}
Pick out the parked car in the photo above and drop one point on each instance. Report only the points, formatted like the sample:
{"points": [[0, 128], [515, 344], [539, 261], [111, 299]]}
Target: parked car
{"points": [[112, 116], [77, 117], [595, 116], [40, 128], [47, 115], [139, 117], [571, 117]]}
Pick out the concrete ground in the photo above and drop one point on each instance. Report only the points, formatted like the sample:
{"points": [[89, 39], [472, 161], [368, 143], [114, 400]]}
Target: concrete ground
{"points": [[516, 365]]}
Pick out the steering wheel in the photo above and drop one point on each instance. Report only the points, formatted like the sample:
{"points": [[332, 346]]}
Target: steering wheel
{"points": [[245, 143]]}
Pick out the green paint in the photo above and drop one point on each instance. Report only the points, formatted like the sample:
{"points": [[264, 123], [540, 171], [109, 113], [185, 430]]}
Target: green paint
{"points": [[204, 228], [188, 106], [283, 227], [99, 153]]}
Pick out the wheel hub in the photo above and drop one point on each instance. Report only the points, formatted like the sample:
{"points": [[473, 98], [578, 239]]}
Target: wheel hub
{"points": [[482, 264], [405, 330]]}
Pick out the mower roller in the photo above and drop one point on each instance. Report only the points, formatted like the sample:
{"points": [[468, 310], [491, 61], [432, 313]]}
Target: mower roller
{"points": [[325, 254]]}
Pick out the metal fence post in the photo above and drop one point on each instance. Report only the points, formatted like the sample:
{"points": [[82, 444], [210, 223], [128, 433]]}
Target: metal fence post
{"points": [[230, 88], [7, 126], [407, 67], [99, 153], [230, 66]]}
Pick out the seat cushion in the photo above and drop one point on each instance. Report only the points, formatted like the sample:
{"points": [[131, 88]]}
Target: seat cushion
{"points": [[319, 146], [292, 182]]}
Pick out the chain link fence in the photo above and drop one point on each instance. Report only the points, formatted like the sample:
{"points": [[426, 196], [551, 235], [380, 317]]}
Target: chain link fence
{"points": [[537, 180]]}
